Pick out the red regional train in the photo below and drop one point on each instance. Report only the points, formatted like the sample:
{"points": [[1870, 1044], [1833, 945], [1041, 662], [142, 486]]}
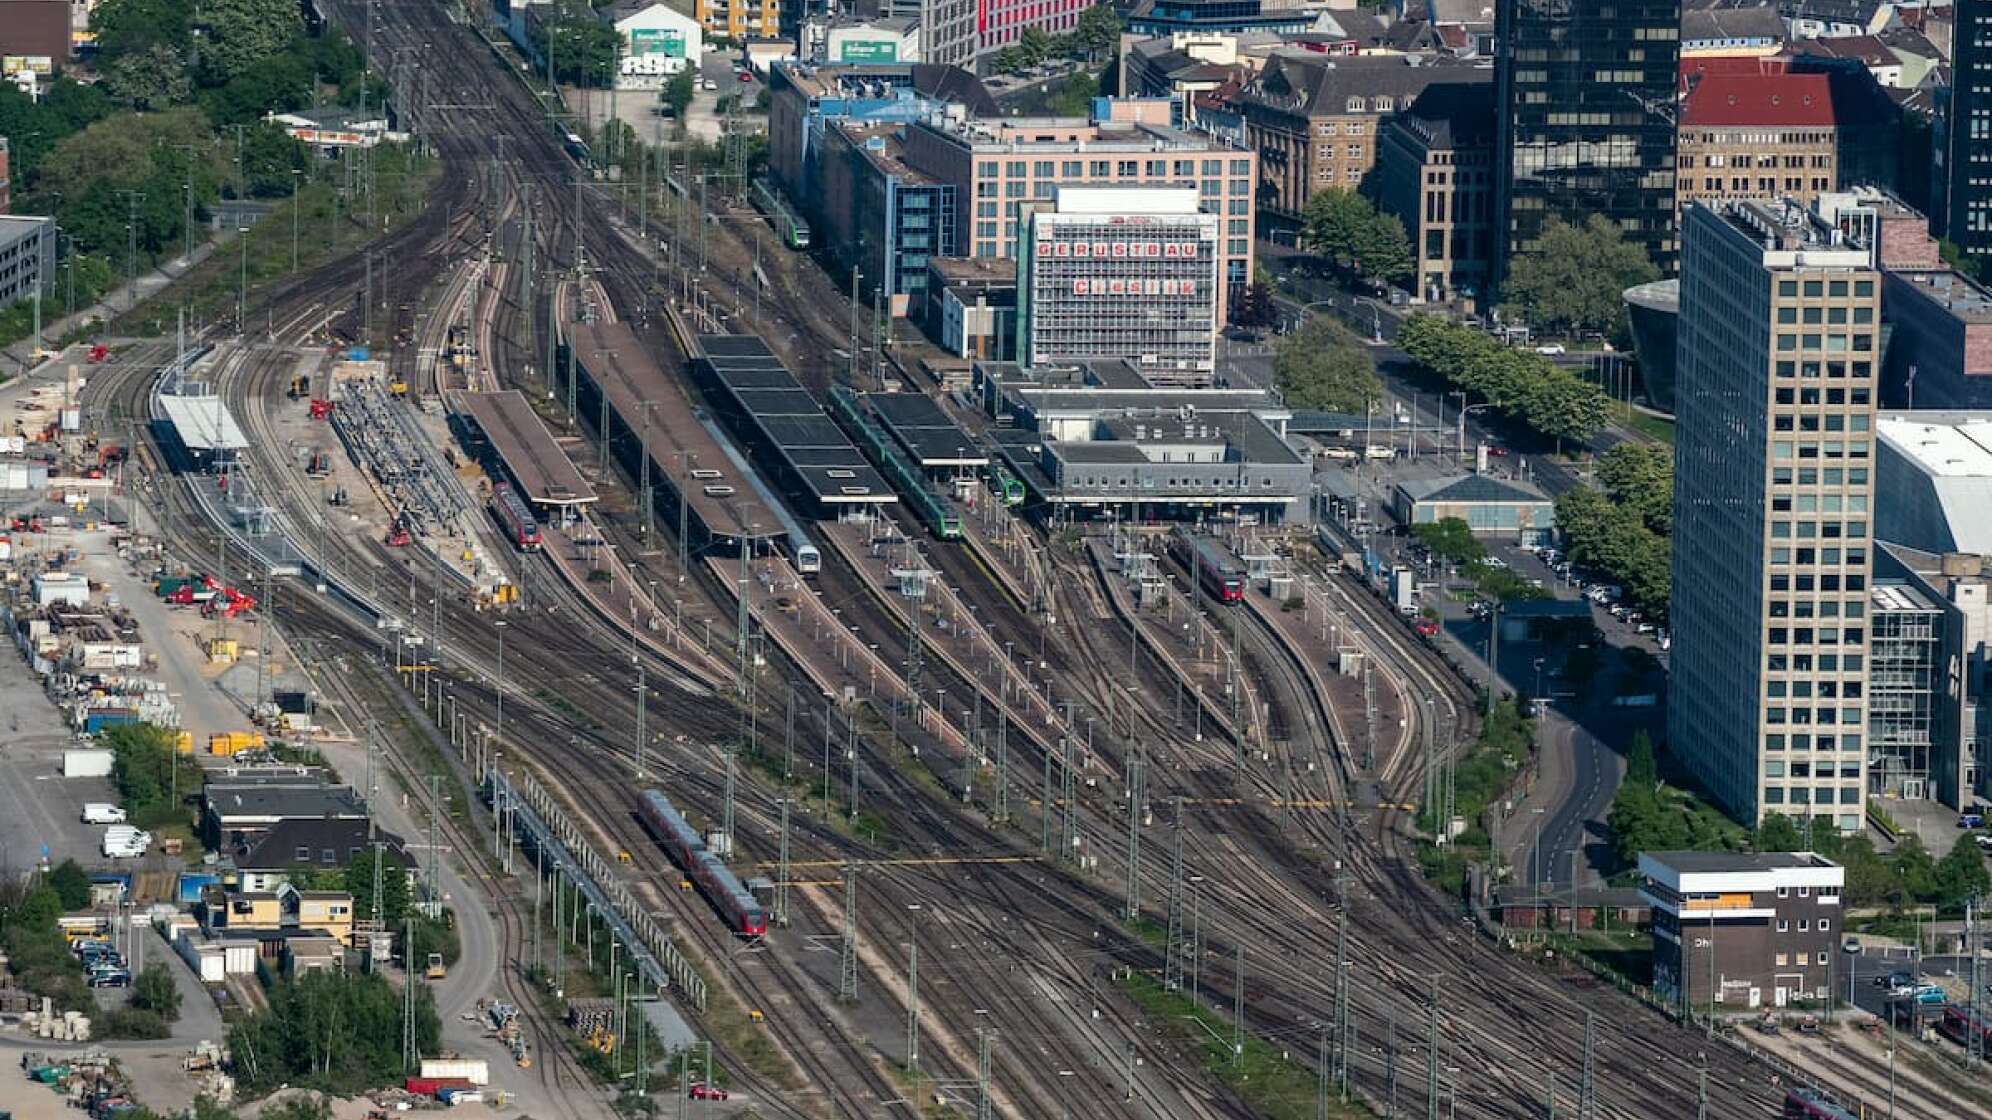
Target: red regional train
{"points": [[517, 518], [1811, 1104], [687, 849], [1211, 563]]}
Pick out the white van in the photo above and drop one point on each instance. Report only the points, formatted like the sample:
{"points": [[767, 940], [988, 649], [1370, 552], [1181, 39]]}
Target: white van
{"points": [[122, 841], [102, 812]]}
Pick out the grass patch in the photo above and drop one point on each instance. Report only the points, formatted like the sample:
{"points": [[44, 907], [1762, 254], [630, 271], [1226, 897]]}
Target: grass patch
{"points": [[1652, 427], [1627, 955], [1272, 1084]]}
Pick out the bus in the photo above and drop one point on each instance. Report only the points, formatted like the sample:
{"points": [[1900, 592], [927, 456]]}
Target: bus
{"points": [[769, 201]]}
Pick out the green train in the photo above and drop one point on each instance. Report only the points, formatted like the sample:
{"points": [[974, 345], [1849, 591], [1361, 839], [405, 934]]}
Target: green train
{"points": [[793, 230], [932, 509], [1005, 485]]}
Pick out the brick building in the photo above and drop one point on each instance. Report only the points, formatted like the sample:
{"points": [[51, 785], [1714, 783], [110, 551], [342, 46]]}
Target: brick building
{"points": [[1739, 930], [1313, 119], [36, 29]]}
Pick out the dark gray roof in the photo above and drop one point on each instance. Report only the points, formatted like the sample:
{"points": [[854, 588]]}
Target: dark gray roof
{"points": [[1470, 488], [1731, 23], [789, 421], [924, 430], [1452, 114], [228, 800], [277, 849], [1317, 85]]}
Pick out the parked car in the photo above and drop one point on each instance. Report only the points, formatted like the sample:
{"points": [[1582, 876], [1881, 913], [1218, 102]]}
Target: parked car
{"points": [[1552, 350], [1971, 820], [701, 1091], [102, 812], [1900, 978], [111, 978]]}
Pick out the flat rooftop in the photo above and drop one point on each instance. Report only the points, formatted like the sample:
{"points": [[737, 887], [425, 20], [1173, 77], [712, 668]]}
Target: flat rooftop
{"points": [[1738, 861], [1899, 597], [723, 501], [785, 417], [1942, 444], [203, 423], [544, 472], [1965, 299], [925, 431]]}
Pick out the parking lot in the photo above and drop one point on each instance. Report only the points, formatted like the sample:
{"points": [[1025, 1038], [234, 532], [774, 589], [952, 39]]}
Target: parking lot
{"points": [[41, 812]]}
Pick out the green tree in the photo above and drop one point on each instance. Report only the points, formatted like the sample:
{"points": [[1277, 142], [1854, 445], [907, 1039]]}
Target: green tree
{"points": [[584, 49], [337, 1034], [1576, 278], [152, 78], [677, 92], [1525, 386], [71, 885], [1642, 765], [1451, 539], [239, 35], [359, 881], [1072, 95], [1641, 476], [1961, 875], [1914, 869], [1345, 227], [124, 28], [1323, 366], [155, 991], [1097, 32], [273, 161], [1255, 306], [1778, 833], [1035, 46], [147, 773]]}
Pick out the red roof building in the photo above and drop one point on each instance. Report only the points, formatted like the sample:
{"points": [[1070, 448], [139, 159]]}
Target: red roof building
{"points": [[1773, 129]]}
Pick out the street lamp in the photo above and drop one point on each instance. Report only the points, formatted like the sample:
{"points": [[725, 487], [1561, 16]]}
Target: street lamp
{"points": [[1464, 412]]}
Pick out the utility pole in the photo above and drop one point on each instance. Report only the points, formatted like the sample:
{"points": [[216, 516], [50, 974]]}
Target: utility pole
{"points": [[983, 1110], [1238, 1006], [1587, 1098], [1137, 795], [1172, 952], [1002, 811], [1432, 1053], [847, 972], [913, 1006], [642, 707], [782, 870]]}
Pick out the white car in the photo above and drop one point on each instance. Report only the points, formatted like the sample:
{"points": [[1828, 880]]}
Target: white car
{"points": [[101, 812], [1553, 350]]}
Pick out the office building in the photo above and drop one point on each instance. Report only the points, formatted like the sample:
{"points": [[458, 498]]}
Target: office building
{"points": [[1734, 931], [1098, 438], [1962, 146], [1000, 23], [27, 257], [1003, 167], [882, 217], [1313, 119], [972, 307], [1435, 171], [1148, 18], [1940, 352], [1122, 273], [1586, 97], [804, 100], [846, 40], [1778, 338], [1960, 729]]}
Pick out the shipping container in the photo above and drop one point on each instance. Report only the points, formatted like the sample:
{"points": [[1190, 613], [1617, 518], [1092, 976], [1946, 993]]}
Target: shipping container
{"points": [[474, 1070]]}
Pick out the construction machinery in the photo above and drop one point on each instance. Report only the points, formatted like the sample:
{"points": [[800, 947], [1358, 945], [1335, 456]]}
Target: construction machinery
{"points": [[299, 386], [398, 535], [321, 409]]}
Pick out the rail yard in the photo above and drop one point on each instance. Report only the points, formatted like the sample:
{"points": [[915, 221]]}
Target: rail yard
{"points": [[905, 795]]}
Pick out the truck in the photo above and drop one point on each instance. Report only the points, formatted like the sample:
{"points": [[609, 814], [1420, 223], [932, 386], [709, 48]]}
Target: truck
{"points": [[86, 764], [476, 1071], [102, 812]]}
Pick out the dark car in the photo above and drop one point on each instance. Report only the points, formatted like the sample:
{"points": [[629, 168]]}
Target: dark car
{"points": [[110, 978]]}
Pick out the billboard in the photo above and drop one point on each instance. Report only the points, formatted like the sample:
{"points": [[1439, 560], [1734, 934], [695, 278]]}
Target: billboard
{"points": [[668, 42], [27, 64], [868, 50]]}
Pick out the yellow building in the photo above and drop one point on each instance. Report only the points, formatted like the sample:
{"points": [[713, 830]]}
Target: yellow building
{"points": [[740, 19]]}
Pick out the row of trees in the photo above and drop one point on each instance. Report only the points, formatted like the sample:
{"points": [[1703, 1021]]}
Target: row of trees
{"points": [[1624, 530], [1095, 35], [1347, 228], [1647, 816], [1525, 386], [153, 779]]}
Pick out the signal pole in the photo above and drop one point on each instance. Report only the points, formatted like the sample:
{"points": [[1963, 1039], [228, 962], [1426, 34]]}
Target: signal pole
{"points": [[847, 972]]}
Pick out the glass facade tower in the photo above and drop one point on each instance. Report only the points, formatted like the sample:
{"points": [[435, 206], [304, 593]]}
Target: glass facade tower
{"points": [[1587, 94]]}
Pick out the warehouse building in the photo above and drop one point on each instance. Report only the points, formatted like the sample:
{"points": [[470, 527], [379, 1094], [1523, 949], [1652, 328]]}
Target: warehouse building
{"points": [[1126, 273]]}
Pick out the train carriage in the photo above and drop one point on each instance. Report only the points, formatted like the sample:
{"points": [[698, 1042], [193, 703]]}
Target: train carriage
{"points": [[1210, 564], [687, 849], [1811, 1104], [516, 516]]}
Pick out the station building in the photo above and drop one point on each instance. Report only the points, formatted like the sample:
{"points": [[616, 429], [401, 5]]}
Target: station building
{"points": [[1733, 931], [1098, 437]]}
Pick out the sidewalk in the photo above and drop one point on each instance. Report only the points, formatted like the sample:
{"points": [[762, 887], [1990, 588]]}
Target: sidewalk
{"points": [[120, 300]]}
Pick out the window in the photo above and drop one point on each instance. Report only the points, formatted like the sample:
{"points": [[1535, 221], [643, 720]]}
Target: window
{"points": [[1825, 924], [1804, 926], [1355, 105], [1822, 956], [1784, 892], [329, 856], [303, 854], [1784, 926]]}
